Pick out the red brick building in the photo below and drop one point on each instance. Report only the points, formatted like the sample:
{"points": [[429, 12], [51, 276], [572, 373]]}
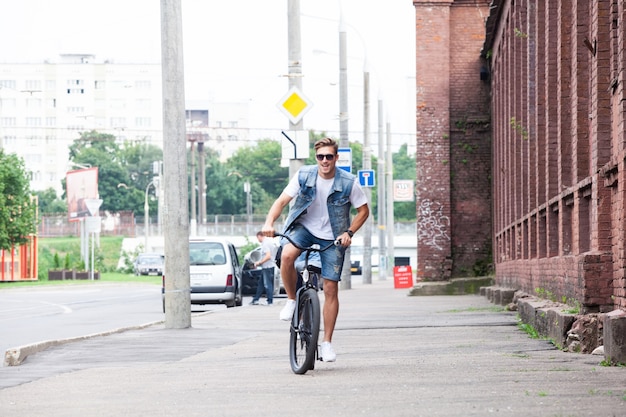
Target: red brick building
{"points": [[453, 185], [558, 116]]}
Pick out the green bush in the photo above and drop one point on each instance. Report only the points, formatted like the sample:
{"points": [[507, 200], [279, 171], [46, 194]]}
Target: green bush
{"points": [[52, 250]]}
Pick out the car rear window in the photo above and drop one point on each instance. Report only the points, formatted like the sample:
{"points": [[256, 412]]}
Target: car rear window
{"points": [[206, 253], [150, 259]]}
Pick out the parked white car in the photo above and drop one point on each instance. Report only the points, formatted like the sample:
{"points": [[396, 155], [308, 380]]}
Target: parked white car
{"points": [[214, 273], [148, 264]]}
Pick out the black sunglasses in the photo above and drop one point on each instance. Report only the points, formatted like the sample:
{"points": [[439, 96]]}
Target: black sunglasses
{"points": [[328, 156]]}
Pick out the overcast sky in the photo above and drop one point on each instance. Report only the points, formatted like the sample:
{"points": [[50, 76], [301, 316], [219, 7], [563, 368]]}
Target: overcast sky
{"points": [[236, 50]]}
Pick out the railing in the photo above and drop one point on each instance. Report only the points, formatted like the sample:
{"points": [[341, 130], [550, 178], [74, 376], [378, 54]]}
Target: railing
{"points": [[113, 224], [126, 224]]}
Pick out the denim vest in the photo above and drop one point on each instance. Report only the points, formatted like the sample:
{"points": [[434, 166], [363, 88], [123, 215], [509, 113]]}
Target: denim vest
{"points": [[338, 200]]}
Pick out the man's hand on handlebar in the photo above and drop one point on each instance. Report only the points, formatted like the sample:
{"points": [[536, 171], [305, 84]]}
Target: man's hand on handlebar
{"points": [[344, 240], [268, 230]]}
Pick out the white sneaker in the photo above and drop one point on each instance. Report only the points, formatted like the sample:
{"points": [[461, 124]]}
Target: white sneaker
{"points": [[327, 353], [287, 312]]}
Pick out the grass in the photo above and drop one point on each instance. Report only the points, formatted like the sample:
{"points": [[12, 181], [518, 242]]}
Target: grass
{"points": [[117, 277], [64, 253], [530, 330]]}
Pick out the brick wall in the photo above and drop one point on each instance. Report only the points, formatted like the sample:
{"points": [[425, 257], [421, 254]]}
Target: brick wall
{"points": [[558, 148], [453, 140]]}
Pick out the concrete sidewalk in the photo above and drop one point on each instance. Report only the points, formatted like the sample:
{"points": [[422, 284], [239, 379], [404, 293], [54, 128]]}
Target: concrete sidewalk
{"points": [[396, 356]]}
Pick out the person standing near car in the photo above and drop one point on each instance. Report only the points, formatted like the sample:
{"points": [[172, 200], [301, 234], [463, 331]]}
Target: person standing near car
{"points": [[324, 195], [268, 249]]}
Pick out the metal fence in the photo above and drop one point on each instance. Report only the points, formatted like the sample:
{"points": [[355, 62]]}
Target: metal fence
{"points": [[127, 225], [122, 223]]}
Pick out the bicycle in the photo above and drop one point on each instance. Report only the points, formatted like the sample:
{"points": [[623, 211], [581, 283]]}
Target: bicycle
{"points": [[305, 324]]}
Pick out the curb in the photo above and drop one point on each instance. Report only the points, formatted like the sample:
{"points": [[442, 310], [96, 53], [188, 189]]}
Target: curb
{"points": [[16, 356]]}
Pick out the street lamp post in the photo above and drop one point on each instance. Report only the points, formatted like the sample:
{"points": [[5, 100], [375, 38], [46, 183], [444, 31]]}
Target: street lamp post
{"points": [[246, 189], [382, 192], [146, 216]]}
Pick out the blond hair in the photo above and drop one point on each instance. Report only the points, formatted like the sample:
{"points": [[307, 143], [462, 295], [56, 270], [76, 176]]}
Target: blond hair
{"points": [[327, 142]]}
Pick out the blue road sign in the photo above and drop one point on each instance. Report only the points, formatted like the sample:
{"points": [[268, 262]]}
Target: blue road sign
{"points": [[345, 159], [367, 178]]}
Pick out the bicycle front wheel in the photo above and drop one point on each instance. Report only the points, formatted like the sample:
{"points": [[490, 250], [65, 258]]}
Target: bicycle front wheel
{"points": [[305, 329]]}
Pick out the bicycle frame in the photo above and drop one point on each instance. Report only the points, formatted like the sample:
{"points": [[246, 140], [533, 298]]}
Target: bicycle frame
{"points": [[305, 271], [305, 324], [306, 283]]}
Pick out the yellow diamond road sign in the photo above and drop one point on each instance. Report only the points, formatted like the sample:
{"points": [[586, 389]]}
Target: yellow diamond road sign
{"points": [[294, 105]]}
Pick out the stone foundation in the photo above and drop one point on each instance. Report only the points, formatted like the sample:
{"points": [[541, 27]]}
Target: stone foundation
{"points": [[580, 333]]}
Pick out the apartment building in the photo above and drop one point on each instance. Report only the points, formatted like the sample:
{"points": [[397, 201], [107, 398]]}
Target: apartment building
{"points": [[44, 107]]}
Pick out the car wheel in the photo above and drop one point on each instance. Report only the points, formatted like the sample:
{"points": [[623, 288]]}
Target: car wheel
{"points": [[232, 303], [239, 297]]}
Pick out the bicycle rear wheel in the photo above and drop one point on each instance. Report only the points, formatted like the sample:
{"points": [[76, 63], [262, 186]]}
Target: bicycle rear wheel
{"points": [[305, 329]]}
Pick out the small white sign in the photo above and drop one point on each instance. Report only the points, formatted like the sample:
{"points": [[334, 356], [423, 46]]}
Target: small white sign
{"points": [[344, 160], [93, 224], [93, 205], [301, 140], [403, 190]]}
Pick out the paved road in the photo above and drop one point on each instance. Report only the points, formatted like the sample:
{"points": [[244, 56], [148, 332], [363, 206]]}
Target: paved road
{"points": [[397, 356], [33, 314]]}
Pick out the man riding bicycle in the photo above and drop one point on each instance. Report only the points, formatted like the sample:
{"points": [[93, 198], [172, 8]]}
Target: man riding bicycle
{"points": [[321, 214]]}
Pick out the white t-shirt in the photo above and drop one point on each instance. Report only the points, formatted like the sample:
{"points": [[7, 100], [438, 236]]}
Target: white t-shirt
{"points": [[316, 219], [269, 245]]}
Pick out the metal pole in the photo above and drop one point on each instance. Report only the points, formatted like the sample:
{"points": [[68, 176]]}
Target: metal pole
{"points": [[346, 275], [294, 67], [146, 218], [160, 197], [176, 207], [390, 219], [201, 183], [84, 242], [343, 85], [382, 213], [246, 189], [93, 255], [367, 164], [85, 237], [194, 220]]}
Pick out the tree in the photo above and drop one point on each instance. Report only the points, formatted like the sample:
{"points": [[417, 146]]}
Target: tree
{"points": [[137, 160], [98, 149], [50, 203], [17, 210], [123, 172], [222, 190], [260, 166]]}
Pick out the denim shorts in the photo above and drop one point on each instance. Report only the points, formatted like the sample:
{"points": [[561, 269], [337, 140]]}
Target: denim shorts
{"points": [[332, 258]]}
